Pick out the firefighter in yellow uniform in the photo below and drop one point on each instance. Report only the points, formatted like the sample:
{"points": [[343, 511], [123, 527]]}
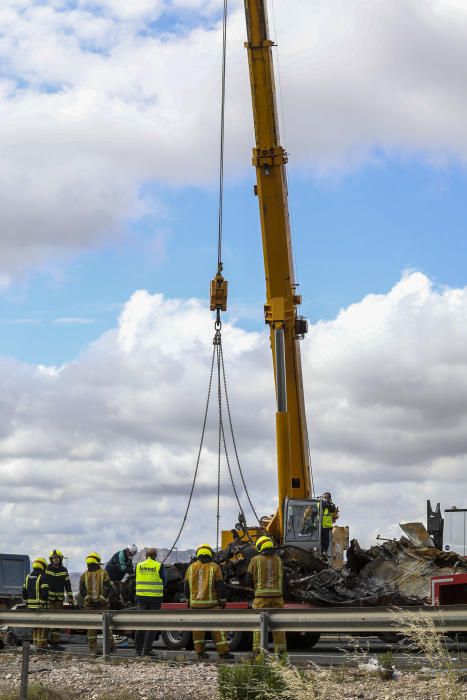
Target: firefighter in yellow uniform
{"points": [[205, 589], [94, 587], [266, 574], [35, 595]]}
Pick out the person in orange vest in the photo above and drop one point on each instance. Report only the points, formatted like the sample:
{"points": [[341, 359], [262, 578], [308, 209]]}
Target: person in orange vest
{"points": [[266, 576], [205, 589], [94, 588]]}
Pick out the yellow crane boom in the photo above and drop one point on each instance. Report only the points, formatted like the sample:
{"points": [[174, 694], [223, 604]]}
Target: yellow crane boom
{"points": [[282, 300]]}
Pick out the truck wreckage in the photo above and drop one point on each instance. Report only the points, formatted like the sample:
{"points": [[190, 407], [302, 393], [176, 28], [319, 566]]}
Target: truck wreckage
{"points": [[395, 572]]}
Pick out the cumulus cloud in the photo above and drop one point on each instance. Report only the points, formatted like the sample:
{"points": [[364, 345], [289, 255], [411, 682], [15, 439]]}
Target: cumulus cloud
{"points": [[98, 100], [101, 451]]}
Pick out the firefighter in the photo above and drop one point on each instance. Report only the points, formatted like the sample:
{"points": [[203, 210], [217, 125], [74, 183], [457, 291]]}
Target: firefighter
{"points": [[266, 574], [205, 588], [330, 514], [94, 587], [35, 595], [150, 581], [59, 582]]}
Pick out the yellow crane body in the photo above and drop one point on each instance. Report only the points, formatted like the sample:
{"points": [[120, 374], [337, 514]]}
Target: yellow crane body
{"points": [[282, 300]]}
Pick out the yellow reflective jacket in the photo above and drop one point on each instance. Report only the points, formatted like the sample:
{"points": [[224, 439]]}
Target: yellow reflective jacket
{"points": [[205, 583], [267, 572]]}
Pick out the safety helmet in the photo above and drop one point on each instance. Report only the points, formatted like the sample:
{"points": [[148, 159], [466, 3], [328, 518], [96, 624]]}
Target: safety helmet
{"points": [[263, 543], [55, 553], [204, 550], [93, 558], [133, 549], [39, 563]]}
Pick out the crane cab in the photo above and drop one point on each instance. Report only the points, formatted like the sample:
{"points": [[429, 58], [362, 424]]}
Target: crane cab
{"points": [[302, 523]]}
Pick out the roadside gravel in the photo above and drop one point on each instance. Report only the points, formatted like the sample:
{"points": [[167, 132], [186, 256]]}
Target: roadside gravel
{"points": [[75, 678]]}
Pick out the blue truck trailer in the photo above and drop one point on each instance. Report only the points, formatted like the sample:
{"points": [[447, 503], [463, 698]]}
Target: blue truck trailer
{"points": [[13, 570]]}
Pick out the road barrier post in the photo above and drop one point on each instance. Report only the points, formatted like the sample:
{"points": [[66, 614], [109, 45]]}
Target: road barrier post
{"points": [[264, 631], [106, 620], [23, 691]]}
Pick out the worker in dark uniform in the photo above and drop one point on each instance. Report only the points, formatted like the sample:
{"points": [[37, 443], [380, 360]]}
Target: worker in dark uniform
{"points": [[121, 563], [94, 588], [35, 595], [205, 589], [150, 582], [329, 515], [59, 582], [266, 576]]}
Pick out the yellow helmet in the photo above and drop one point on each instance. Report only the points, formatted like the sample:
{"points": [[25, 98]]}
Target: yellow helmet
{"points": [[204, 550], [263, 543], [93, 558], [55, 553], [39, 563]]}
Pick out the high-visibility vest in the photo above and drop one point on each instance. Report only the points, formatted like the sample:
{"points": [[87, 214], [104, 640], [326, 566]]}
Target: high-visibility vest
{"points": [[327, 521], [268, 573], [36, 585], [149, 583], [202, 577]]}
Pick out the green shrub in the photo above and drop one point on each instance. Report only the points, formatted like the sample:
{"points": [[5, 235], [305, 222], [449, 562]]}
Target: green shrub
{"points": [[266, 678], [254, 680]]}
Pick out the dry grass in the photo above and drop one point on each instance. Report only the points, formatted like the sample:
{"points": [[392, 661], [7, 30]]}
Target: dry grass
{"points": [[424, 637]]}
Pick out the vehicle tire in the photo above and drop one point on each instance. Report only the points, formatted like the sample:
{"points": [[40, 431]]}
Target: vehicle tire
{"points": [[302, 640], [391, 637], [177, 640], [235, 640]]}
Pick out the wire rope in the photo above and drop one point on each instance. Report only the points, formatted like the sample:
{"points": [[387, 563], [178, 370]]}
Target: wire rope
{"points": [[203, 431], [222, 139]]}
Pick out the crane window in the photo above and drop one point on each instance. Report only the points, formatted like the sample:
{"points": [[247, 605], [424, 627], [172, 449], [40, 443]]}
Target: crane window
{"points": [[302, 522]]}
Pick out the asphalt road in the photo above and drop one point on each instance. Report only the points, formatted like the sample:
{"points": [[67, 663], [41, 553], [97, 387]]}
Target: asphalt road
{"points": [[330, 651]]}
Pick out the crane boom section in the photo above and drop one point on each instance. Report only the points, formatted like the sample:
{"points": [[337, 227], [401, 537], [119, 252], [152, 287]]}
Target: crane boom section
{"points": [[269, 159]]}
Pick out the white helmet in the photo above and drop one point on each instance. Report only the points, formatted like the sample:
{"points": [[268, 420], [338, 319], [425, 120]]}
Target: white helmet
{"points": [[133, 549]]}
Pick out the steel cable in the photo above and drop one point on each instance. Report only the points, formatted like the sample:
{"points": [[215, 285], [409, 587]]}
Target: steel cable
{"points": [[197, 460], [222, 139], [226, 393]]}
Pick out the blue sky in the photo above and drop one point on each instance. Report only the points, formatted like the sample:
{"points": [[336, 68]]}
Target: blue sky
{"points": [[353, 235]]}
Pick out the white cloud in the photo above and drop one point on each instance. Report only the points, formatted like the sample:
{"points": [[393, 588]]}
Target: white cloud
{"points": [[96, 106], [101, 451]]}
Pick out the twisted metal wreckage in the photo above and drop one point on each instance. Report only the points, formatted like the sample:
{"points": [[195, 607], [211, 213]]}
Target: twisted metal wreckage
{"points": [[395, 572]]}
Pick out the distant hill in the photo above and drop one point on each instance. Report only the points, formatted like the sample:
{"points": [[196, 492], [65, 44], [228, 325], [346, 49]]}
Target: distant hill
{"points": [[182, 556]]}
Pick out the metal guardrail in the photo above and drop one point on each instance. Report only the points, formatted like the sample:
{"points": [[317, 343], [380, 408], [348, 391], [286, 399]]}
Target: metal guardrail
{"points": [[450, 618]]}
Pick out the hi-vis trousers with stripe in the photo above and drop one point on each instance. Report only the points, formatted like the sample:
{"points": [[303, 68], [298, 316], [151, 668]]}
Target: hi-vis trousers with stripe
{"points": [[280, 645]]}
